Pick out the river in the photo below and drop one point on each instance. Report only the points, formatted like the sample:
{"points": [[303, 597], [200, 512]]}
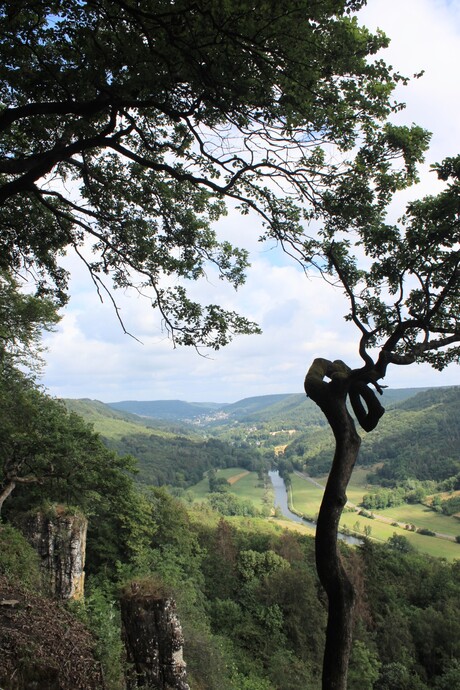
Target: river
{"points": [[281, 502]]}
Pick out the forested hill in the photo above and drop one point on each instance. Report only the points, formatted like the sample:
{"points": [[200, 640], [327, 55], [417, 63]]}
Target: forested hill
{"points": [[418, 437], [206, 412], [175, 410], [288, 409], [167, 452], [114, 423]]}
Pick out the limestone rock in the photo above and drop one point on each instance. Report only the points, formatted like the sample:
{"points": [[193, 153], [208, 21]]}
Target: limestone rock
{"points": [[60, 539], [153, 639]]}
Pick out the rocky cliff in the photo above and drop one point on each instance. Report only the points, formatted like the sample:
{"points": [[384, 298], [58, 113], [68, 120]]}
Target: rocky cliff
{"points": [[153, 638], [59, 537]]}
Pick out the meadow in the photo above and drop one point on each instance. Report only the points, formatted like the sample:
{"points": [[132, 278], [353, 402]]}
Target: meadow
{"points": [[306, 498], [246, 485]]}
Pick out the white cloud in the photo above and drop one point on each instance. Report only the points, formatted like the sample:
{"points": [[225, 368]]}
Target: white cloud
{"points": [[301, 318]]}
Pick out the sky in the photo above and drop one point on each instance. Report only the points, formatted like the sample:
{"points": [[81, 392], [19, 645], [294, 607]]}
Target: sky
{"points": [[89, 356]]}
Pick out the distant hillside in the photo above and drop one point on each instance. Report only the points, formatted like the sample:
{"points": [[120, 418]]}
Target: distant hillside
{"points": [[112, 423], [167, 452], [247, 407], [418, 437], [394, 396], [166, 409], [286, 408]]}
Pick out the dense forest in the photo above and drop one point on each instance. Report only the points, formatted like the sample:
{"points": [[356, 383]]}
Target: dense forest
{"points": [[247, 593], [249, 600], [167, 450], [417, 438]]}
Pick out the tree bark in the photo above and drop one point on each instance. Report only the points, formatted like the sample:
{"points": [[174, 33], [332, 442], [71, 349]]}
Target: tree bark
{"points": [[9, 486], [331, 398], [5, 492]]}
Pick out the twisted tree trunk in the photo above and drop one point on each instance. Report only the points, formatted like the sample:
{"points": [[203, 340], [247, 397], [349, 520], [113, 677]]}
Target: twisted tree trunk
{"points": [[331, 398]]}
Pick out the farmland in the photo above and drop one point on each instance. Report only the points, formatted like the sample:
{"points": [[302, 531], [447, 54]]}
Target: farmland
{"points": [[306, 498]]}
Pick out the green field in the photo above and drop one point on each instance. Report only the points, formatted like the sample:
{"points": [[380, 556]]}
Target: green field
{"points": [[306, 498], [248, 487], [112, 424]]}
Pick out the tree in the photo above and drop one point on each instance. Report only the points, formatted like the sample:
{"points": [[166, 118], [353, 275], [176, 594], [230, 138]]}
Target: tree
{"points": [[406, 304], [43, 445], [23, 318], [128, 126]]}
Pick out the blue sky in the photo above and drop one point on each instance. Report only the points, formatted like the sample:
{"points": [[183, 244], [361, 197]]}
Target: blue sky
{"points": [[302, 318]]}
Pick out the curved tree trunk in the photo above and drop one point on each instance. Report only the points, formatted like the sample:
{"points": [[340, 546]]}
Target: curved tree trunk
{"points": [[331, 398], [5, 492], [331, 572]]}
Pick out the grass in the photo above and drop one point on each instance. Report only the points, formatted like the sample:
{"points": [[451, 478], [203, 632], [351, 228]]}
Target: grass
{"points": [[201, 490], [236, 477], [422, 516], [246, 485], [110, 423], [293, 526], [251, 488], [307, 498]]}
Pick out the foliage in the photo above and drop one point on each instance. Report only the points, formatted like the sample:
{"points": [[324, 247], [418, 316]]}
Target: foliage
{"points": [[403, 291], [217, 484], [23, 318], [51, 455], [114, 424], [18, 560], [153, 116], [400, 543], [229, 504], [451, 506], [100, 613], [364, 667], [261, 590], [410, 597], [415, 439], [406, 492], [178, 460], [44, 445], [245, 591]]}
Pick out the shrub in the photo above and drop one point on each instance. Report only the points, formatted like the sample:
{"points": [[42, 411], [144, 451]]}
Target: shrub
{"points": [[18, 560]]}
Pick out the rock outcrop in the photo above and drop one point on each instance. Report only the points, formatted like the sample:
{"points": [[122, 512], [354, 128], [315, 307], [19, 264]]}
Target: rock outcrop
{"points": [[153, 639], [60, 539]]}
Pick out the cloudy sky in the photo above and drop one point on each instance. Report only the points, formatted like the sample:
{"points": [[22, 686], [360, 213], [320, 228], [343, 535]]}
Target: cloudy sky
{"points": [[90, 357]]}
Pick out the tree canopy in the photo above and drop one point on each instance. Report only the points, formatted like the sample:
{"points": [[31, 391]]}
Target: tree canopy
{"points": [[44, 446], [403, 286], [125, 128], [23, 318]]}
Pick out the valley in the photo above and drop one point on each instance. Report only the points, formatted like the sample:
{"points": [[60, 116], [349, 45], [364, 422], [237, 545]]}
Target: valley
{"points": [[415, 451]]}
